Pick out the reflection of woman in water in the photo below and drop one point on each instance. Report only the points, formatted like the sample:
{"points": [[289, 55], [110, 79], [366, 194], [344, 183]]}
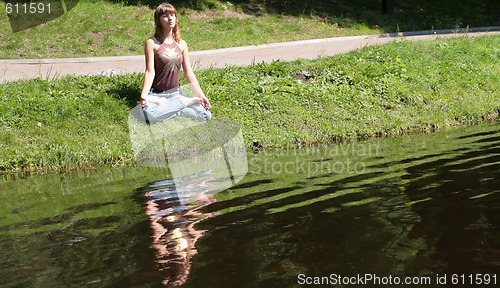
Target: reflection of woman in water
{"points": [[174, 236], [166, 53]]}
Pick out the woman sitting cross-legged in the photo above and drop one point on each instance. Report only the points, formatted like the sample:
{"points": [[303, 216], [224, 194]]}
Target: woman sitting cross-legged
{"points": [[166, 53]]}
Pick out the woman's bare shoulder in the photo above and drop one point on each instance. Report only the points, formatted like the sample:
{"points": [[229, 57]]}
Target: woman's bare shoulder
{"points": [[152, 43], [183, 45], [152, 40]]}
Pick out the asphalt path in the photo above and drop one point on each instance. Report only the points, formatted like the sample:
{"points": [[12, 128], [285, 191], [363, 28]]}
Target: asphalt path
{"points": [[48, 69]]}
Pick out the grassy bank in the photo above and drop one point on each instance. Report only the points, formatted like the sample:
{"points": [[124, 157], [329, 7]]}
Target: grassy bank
{"points": [[76, 122], [116, 27]]}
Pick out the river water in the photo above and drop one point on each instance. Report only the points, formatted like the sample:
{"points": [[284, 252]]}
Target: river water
{"points": [[421, 208]]}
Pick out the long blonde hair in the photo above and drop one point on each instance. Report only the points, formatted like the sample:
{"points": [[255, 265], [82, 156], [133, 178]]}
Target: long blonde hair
{"points": [[160, 11]]}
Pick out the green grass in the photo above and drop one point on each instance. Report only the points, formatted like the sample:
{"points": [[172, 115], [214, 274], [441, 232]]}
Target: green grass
{"points": [[77, 122], [390, 89], [112, 28], [64, 123]]}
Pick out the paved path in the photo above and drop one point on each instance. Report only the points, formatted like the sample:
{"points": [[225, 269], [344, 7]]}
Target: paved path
{"points": [[11, 70]]}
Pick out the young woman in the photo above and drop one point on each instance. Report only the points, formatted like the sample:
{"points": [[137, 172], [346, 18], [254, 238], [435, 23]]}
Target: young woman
{"points": [[166, 53]]}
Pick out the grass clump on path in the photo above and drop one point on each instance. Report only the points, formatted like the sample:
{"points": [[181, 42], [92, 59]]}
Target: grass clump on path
{"points": [[396, 88]]}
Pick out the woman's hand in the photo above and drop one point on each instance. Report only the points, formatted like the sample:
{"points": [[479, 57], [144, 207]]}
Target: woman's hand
{"points": [[144, 102], [205, 103]]}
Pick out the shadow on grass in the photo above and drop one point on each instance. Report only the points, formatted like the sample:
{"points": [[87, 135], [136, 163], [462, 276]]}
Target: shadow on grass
{"points": [[409, 15], [126, 88]]}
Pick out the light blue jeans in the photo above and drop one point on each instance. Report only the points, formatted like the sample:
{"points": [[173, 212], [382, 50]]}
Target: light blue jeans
{"points": [[173, 107]]}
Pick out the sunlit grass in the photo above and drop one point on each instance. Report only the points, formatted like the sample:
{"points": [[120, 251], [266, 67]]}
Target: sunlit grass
{"points": [[397, 88]]}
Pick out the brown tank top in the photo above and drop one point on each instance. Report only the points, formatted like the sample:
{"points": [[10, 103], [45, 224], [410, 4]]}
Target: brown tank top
{"points": [[168, 63]]}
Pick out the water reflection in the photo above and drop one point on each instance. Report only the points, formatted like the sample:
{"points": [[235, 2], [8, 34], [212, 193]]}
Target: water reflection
{"points": [[173, 212], [424, 205], [417, 206]]}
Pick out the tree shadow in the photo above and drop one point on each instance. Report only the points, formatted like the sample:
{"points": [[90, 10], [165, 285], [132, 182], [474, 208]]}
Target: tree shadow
{"points": [[408, 15], [126, 89], [194, 4]]}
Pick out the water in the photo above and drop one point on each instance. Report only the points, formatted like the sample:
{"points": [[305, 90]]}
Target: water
{"points": [[421, 206]]}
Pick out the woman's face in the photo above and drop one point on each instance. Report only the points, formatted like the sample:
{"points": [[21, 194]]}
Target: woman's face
{"points": [[168, 20]]}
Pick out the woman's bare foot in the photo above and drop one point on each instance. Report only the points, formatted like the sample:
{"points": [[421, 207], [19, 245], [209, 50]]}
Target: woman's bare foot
{"points": [[191, 101]]}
